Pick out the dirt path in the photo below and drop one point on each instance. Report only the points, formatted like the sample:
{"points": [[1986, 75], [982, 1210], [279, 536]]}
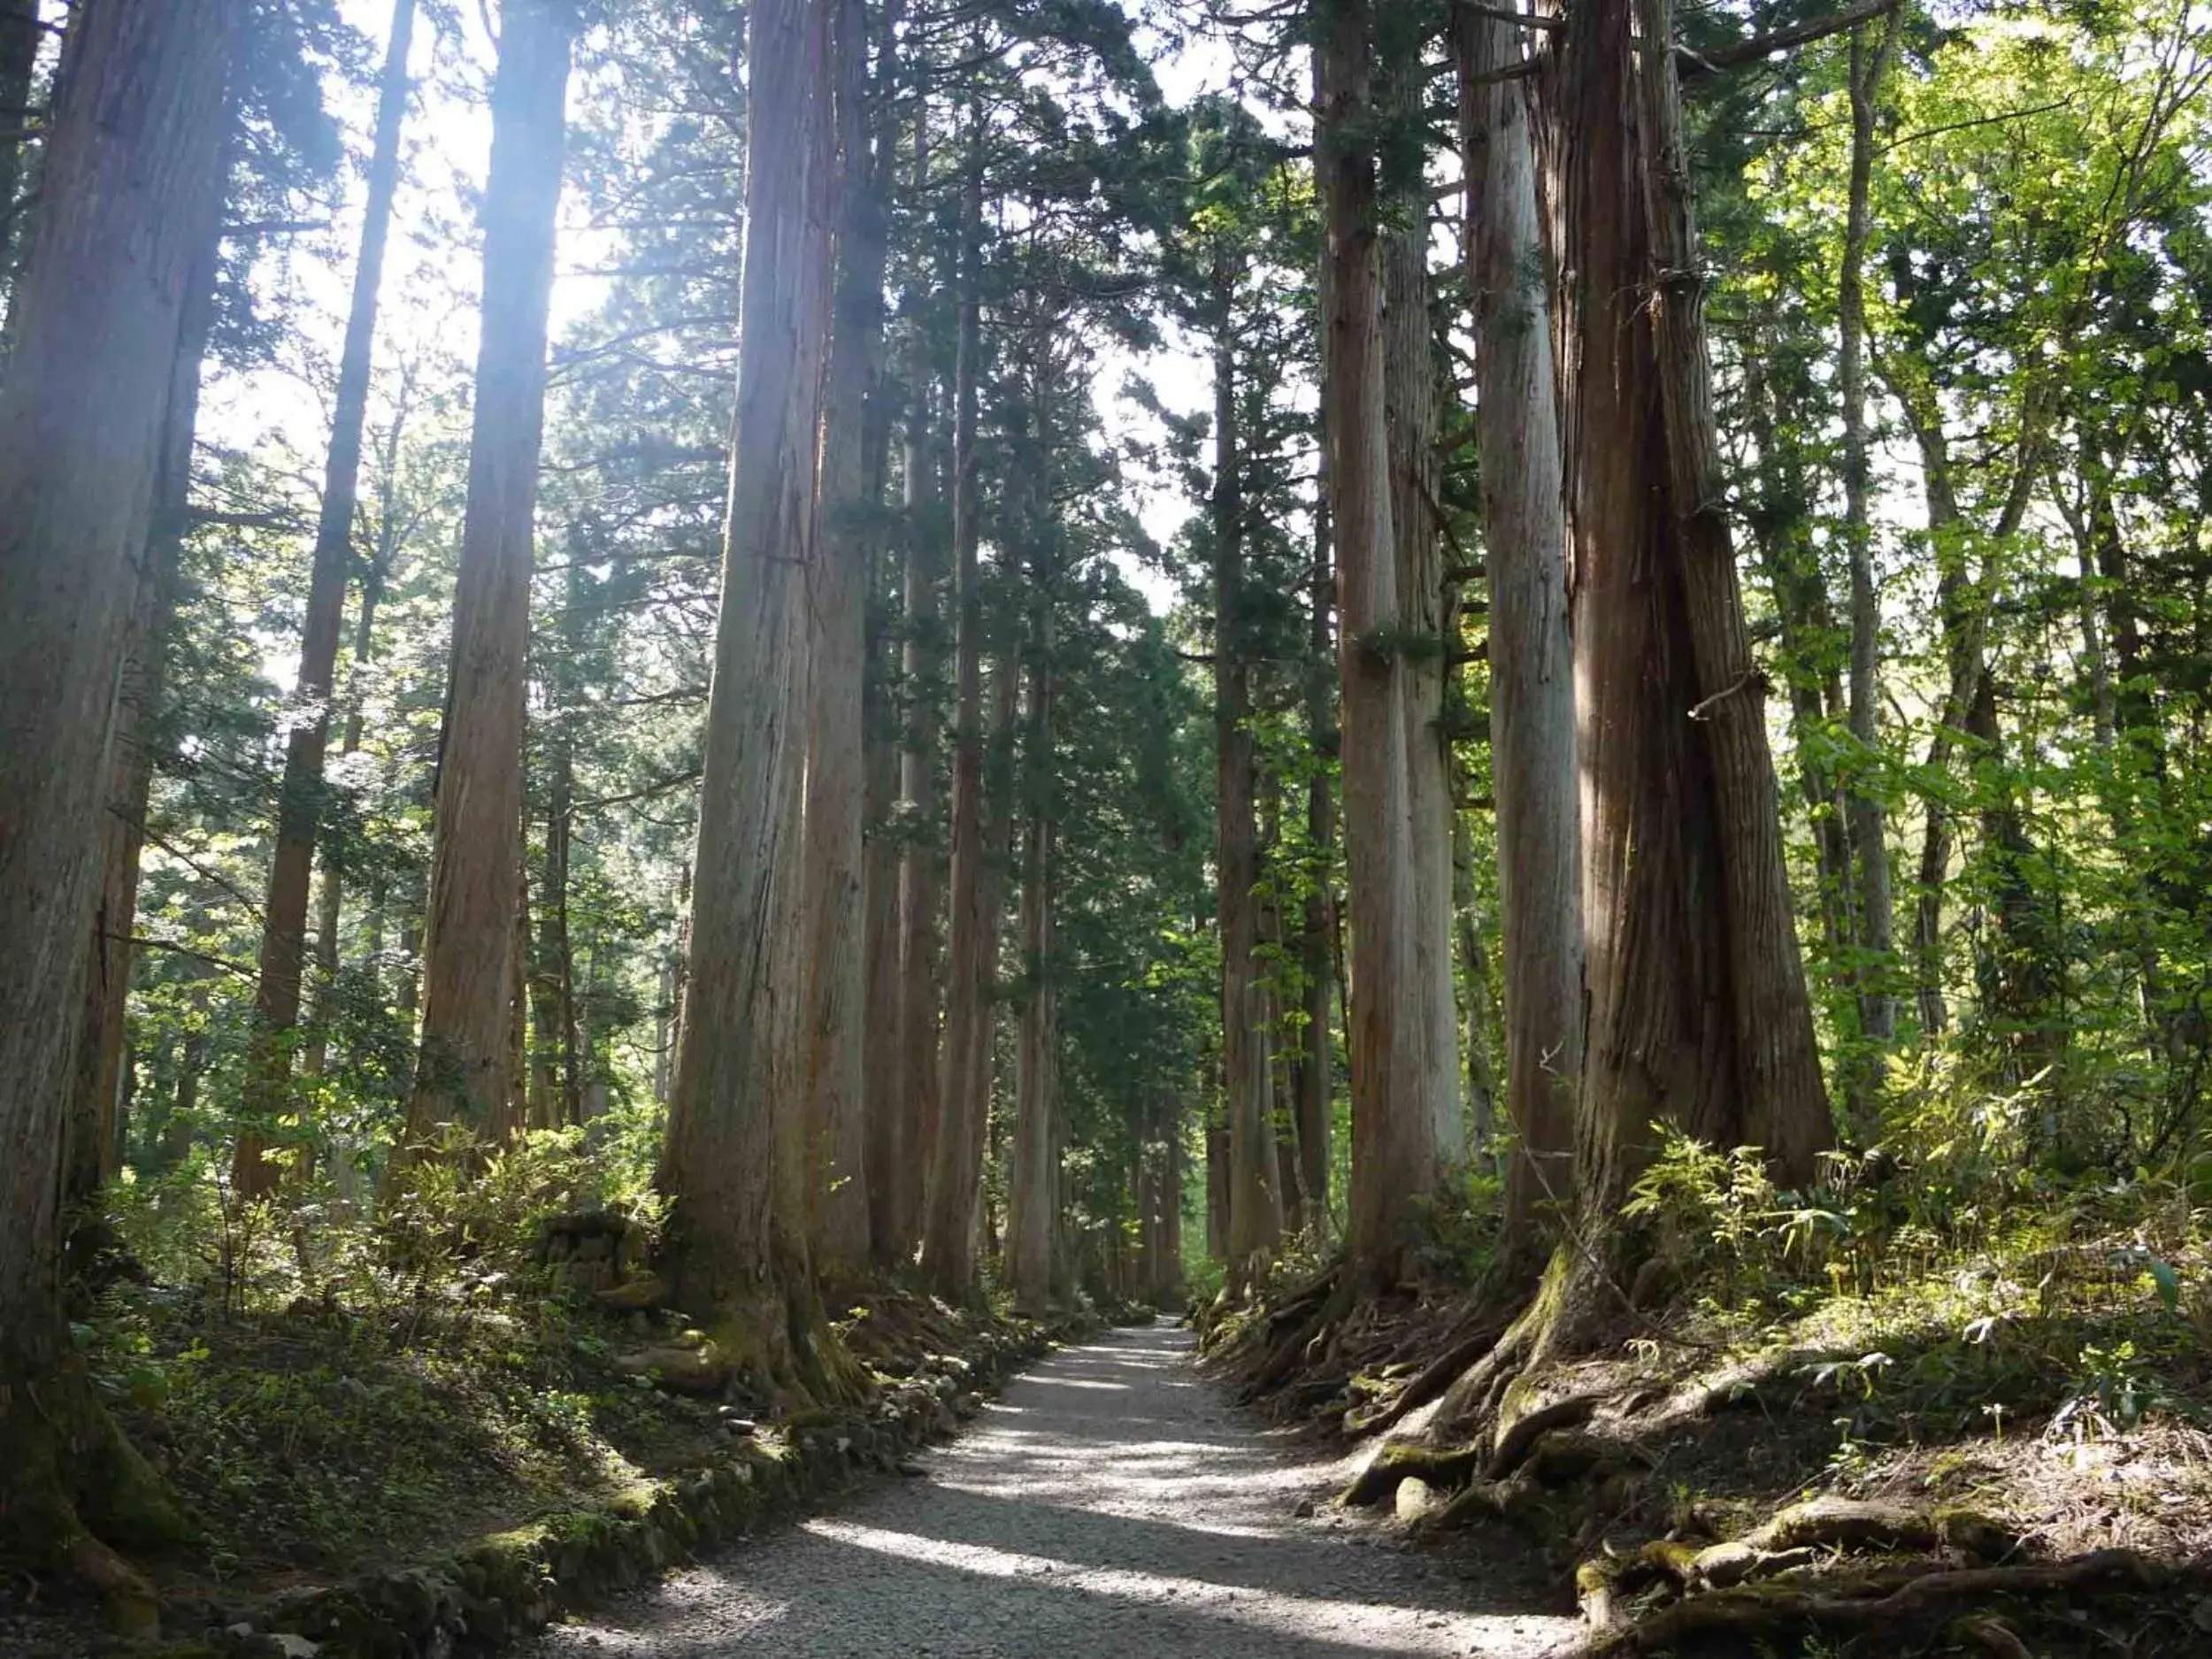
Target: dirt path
{"points": [[1110, 1505]]}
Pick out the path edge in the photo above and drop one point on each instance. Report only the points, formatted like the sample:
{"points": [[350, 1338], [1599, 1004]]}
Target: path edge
{"points": [[478, 1601]]}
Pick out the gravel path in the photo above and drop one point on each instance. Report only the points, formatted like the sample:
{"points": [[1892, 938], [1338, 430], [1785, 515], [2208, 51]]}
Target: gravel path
{"points": [[1110, 1505]]}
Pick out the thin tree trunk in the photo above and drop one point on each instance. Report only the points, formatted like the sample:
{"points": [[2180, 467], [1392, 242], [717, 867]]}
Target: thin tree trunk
{"points": [[948, 1223], [1532, 665], [1395, 1116], [553, 1091], [330, 899], [476, 841], [1877, 1008], [1316, 1076], [299, 805], [1255, 1207], [373, 580], [887, 1140], [735, 1160], [920, 895], [1170, 1284], [1216, 1189], [129, 171], [1032, 1217], [2026, 984], [664, 1030], [2126, 717], [515, 1114]]}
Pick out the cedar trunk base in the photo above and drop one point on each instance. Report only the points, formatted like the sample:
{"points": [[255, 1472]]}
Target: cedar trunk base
{"points": [[76, 1490]]}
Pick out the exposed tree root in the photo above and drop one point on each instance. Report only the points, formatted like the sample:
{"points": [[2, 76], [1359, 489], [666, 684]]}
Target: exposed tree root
{"points": [[1517, 1438], [1773, 1610], [1428, 1382], [1285, 1333], [1444, 1467]]}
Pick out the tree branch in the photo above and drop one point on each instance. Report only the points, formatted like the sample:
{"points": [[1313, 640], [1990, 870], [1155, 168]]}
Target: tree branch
{"points": [[1694, 64]]}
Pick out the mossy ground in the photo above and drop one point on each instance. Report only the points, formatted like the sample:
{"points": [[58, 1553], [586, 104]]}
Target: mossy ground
{"points": [[2046, 1361], [313, 1444]]}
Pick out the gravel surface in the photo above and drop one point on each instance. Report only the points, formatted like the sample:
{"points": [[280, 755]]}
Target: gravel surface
{"points": [[1112, 1504]]}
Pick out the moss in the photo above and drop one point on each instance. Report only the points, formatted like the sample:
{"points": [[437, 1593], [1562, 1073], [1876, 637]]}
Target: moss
{"points": [[1674, 1558], [505, 1582]]}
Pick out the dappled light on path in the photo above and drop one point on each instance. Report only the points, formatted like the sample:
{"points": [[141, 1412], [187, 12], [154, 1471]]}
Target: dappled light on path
{"points": [[1110, 1500]]}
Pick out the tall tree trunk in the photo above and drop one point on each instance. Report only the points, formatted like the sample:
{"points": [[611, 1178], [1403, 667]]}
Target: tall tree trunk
{"points": [[1877, 1008], [1315, 1079], [1256, 1203], [735, 1164], [1532, 664], [920, 895], [1427, 626], [1032, 1217], [103, 1039], [1003, 813], [948, 1223], [299, 805], [476, 839], [129, 170], [836, 610], [1697, 1013], [1778, 1058], [1395, 1114], [888, 1140]]}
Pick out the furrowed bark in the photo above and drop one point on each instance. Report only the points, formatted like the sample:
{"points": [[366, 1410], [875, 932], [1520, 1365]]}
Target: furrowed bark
{"points": [[1778, 1058], [1426, 627], [736, 1163], [1394, 1162], [1532, 662], [476, 841], [949, 1225], [102, 1045], [129, 172], [836, 611]]}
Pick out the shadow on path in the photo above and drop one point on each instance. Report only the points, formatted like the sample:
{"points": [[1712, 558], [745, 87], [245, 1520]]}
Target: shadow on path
{"points": [[1112, 1505]]}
